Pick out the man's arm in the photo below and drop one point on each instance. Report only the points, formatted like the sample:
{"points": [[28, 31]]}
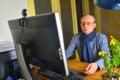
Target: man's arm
{"points": [[71, 47], [103, 45]]}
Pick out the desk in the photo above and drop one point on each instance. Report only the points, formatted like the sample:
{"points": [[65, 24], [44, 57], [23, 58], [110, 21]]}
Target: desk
{"points": [[79, 66]]}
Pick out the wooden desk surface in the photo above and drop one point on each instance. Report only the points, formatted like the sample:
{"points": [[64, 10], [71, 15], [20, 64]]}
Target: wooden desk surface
{"points": [[76, 65], [80, 66]]}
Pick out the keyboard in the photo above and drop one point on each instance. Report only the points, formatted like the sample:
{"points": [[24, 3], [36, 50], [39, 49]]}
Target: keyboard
{"points": [[74, 75]]}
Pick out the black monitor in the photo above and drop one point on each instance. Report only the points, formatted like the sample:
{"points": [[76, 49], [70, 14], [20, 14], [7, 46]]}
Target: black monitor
{"points": [[39, 41]]}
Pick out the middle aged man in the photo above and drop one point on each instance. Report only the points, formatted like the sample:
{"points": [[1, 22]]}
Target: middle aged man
{"points": [[88, 43]]}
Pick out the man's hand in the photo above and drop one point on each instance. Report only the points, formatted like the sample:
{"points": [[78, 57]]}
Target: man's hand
{"points": [[91, 68]]}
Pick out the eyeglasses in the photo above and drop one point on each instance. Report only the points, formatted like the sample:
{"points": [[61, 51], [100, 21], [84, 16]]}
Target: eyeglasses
{"points": [[86, 23]]}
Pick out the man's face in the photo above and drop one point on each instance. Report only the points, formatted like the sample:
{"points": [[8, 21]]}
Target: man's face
{"points": [[87, 24]]}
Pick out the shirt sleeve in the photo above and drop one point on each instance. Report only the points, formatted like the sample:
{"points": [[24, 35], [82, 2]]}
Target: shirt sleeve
{"points": [[103, 45], [71, 47]]}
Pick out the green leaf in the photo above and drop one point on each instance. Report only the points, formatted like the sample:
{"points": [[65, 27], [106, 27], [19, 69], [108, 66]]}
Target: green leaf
{"points": [[116, 61]]}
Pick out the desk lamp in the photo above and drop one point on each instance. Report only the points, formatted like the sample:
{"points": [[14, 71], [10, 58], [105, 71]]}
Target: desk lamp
{"points": [[108, 4]]}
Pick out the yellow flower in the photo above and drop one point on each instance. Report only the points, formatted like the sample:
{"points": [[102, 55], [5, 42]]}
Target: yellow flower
{"points": [[112, 42], [101, 53], [112, 37]]}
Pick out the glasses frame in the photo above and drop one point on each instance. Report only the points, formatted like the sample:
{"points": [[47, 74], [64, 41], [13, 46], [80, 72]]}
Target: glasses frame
{"points": [[86, 23]]}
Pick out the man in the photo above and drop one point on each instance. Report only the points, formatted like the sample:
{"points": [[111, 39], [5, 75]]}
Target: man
{"points": [[88, 43]]}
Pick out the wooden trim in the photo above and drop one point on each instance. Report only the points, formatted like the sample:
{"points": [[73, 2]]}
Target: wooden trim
{"points": [[75, 24], [56, 6], [31, 7], [74, 16]]}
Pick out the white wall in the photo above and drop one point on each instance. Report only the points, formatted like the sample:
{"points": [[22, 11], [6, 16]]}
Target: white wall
{"points": [[9, 9]]}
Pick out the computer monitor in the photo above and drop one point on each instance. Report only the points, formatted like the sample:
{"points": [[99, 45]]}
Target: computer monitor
{"points": [[39, 41]]}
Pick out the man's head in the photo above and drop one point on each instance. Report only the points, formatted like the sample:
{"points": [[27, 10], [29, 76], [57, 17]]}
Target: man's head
{"points": [[87, 24]]}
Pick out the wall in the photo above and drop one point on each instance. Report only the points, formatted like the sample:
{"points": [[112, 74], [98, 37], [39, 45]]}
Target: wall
{"points": [[9, 9], [111, 23]]}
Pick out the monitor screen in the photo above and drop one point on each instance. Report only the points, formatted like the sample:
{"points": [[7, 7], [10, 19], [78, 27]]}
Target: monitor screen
{"points": [[39, 41]]}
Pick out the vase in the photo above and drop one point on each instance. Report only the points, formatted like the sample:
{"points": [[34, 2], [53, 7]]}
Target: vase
{"points": [[105, 76]]}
